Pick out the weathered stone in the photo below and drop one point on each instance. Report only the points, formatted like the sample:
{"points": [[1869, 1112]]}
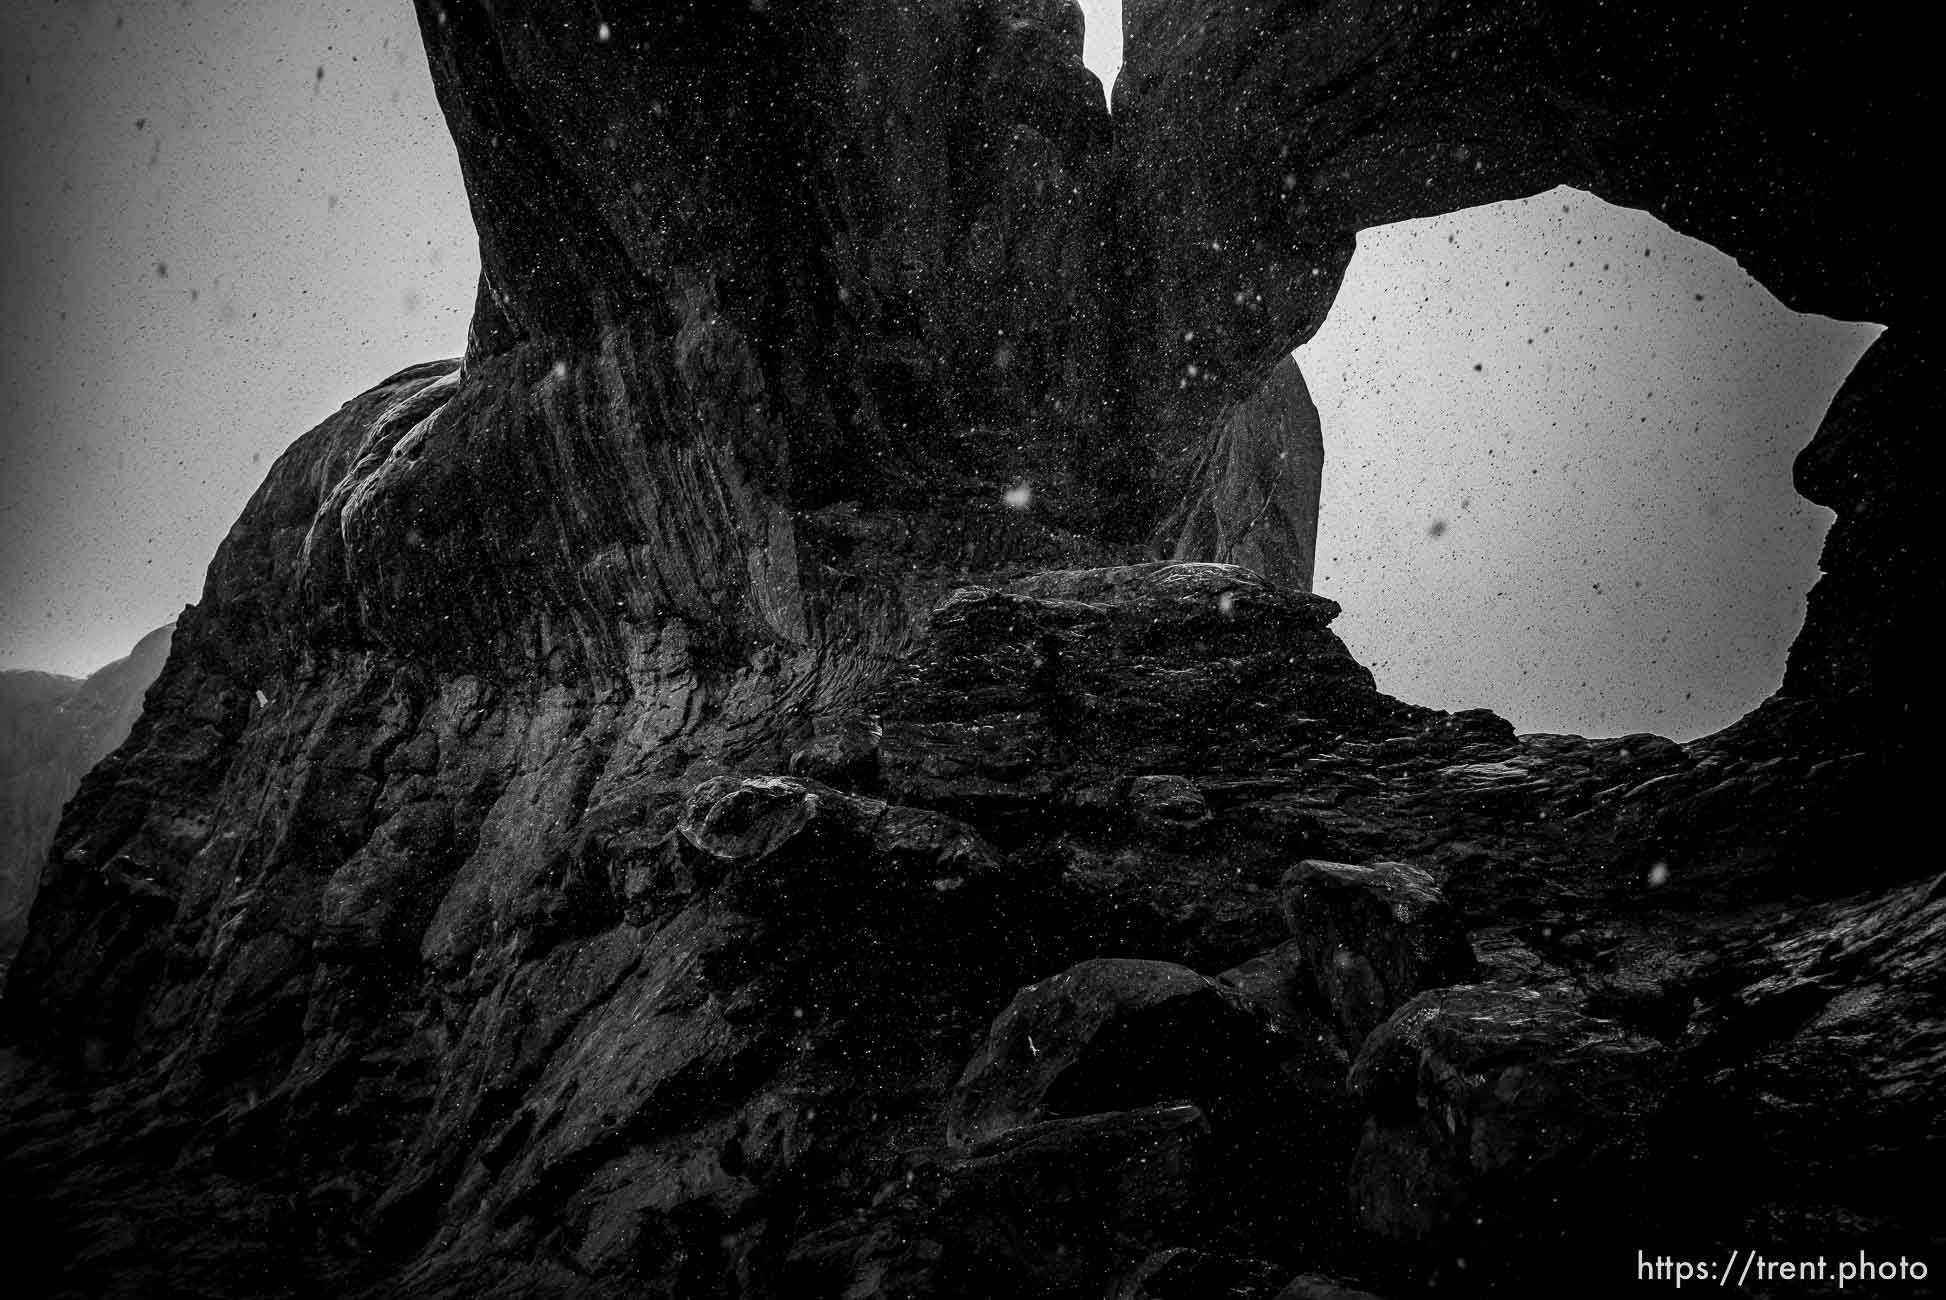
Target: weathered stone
{"points": [[1827, 1072], [1374, 936], [1168, 799], [1278, 982], [1045, 1185], [787, 840], [1507, 1116], [1169, 808], [382, 897], [845, 755], [1110, 1034], [1255, 500], [1185, 1274], [1070, 678]]}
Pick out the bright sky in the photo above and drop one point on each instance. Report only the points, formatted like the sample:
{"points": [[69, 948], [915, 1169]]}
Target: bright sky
{"points": [[1101, 48], [209, 246]]}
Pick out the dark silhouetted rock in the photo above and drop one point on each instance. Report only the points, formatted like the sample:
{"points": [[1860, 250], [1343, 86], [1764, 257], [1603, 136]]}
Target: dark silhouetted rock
{"points": [[1110, 1034], [787, 842], [1279, 983], [1503, 1120], [1827, 1072], [1315, 1286], [500, 896], [1374, 936], [1185, 1274], [1309, 1045], [1047, 1210], [1255, 503], [844, 755], [1167, 799]]}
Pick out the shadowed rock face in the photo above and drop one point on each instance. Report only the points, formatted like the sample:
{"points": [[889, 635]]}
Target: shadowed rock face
{"points": [[873, 230], [1255, 497], [613, 782]]}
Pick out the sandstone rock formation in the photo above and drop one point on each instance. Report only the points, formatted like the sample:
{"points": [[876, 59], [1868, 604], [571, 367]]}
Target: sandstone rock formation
{"points": [[615, 784], [1373, 936], [52, 730], [1254, 140], [1254, 501]]}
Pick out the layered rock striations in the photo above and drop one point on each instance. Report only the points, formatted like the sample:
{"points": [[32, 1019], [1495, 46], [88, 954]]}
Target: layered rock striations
{"points": [[1255, 496], [710, 794]]}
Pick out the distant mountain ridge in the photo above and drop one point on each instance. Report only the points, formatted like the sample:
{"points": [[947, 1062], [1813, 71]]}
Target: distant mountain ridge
{"points": [[52, 730]]}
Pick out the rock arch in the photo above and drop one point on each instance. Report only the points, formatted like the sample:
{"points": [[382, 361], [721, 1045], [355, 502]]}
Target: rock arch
{"points": [[1561, 435], [1253, 141], [926, 258]]}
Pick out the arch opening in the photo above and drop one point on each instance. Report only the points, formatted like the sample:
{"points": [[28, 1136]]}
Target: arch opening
{"points": [[1558, 440], [1102, 41]]}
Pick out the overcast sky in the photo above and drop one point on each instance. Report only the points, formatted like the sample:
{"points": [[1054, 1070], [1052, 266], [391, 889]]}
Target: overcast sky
{"points": [[207, 247], [224, 218], [1557, 482]]}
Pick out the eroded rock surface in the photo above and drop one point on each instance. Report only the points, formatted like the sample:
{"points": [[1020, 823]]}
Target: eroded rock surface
{"points": [[613, 783], [1373, 936], [1254, 501], [1504, 1104], [1106, 1035]]}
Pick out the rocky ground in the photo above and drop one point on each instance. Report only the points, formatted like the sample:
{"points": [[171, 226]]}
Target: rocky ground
{"points": [[1132, 945]]}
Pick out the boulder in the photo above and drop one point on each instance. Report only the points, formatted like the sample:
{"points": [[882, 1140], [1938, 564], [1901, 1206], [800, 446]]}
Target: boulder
{"points": [[782, 839], [1109, 1034], [1279, 983], [1374, 936], [843, 754], [1504, 1115], [1051, 1209]]}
